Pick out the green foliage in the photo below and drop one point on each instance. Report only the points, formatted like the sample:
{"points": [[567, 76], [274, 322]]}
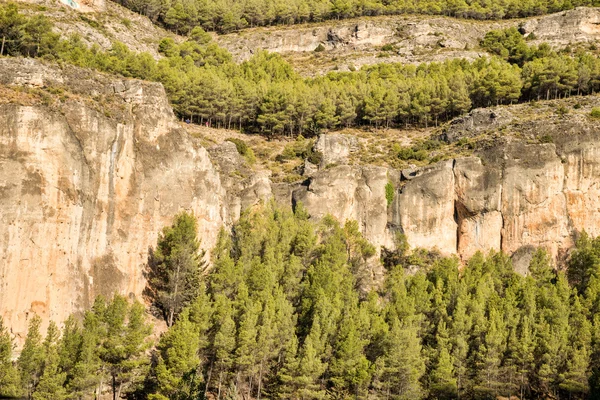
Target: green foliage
{"points": [[389, 193], [243, 149], [51, 384], [508, 44], [301, 148], [595, 113], [31, 360], [226, 16], [122, 342], [174, 267], [287, 312], [9, 378], [264, 94]]}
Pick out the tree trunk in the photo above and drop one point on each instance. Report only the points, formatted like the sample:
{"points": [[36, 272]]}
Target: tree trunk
{"points": [[114, 386], [2, 46], [219, 390], [260, 380], [172, 308], [208, 379]]}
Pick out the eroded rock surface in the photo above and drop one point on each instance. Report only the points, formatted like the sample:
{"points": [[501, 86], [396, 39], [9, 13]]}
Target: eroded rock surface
{"points": [[85, 189], [83, 195]]}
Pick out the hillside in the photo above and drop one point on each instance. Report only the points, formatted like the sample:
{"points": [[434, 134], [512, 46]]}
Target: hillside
{"points": [[410, 212], [406, 39]]}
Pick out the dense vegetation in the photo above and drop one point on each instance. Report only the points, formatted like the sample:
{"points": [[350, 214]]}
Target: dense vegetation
{"points": [[265, 95], [223, 16], [289, 310]]}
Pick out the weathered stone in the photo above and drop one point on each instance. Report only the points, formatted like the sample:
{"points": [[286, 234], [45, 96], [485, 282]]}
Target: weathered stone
{"points": [[426, 209], [83, 196], [335, 148], [349, 193]]}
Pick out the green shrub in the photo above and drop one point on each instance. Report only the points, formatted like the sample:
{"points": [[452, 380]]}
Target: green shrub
{"points": [[389, 193], [300, 148], [562, 111], [411, 153], [126, 22], [546, 139], [314, 157], [595, 113]]}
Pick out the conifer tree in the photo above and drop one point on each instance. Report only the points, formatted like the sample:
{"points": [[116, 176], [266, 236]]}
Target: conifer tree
{"points": [[9, 378], [576, 375], [85, 374], [175, 267], [50, 386], [442, 379], [30, 362], [123, 342], [178, 366]]}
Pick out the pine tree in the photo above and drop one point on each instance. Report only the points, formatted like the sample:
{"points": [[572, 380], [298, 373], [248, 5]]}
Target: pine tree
{"points": [[178, 368], [123, 342], [576, 376], [349, 369], [175, 267], [223, 343], [246, 346], [30, 362], [50, 386], [403, 364], [443, 383], [86, 373], [9, 378]]}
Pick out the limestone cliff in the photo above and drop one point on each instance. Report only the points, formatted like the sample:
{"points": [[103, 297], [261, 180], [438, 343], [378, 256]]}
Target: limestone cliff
{"points": [[85, 190], [92, 167], [513, 196]]}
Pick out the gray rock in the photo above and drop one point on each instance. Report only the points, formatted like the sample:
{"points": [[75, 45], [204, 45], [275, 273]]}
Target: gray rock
{"points": [[335, 148]]}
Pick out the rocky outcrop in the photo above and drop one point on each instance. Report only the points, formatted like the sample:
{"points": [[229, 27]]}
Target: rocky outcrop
{"points": [[336, 149], [83, 194], [579, 25], [514, 196]]}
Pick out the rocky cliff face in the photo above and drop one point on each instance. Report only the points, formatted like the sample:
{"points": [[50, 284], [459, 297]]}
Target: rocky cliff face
{"points": [[93, 167], [514, 196], [83, 194]]}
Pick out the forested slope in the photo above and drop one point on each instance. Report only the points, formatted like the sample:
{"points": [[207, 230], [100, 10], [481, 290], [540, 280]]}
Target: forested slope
{"points": [[264, 94], [289, 306], [182, 16], [283, 314]]}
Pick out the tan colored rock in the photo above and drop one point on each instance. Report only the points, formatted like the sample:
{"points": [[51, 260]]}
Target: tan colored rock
{"points": [[83, 196], [349, 193], [477, 206], [426, 209], [335, 148]]}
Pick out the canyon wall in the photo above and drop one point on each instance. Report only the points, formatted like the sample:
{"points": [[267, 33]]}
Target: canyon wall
{"points": [[91, 174]]}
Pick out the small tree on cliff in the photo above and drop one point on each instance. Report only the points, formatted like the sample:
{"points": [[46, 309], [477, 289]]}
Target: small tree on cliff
{"points": [[174, 267]]}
